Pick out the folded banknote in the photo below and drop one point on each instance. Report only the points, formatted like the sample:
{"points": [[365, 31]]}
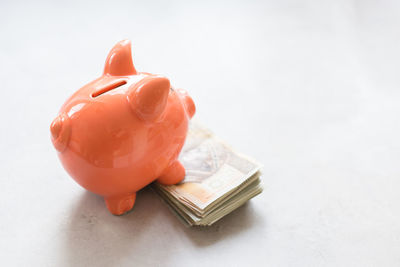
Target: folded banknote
{"points": [[218, 179]]}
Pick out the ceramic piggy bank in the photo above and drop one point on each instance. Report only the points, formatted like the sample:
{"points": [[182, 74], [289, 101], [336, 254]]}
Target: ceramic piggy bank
{"points": [[123, 131]]}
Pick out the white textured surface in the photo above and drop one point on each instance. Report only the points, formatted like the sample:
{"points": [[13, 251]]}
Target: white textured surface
{"points": [[309, 88]]}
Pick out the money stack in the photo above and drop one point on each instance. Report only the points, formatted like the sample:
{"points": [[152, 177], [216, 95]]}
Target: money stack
{"points": [[218, 180]]}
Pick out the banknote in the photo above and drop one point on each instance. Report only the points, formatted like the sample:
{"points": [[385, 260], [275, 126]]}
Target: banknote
{"points": [[189, 218], [218, 179]]}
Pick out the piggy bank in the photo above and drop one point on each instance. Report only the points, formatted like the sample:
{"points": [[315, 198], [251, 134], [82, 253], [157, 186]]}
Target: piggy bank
{"points": [[123, 131]]}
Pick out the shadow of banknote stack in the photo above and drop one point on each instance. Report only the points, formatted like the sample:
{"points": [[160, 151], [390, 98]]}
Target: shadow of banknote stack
{"points": [[218, 180]]}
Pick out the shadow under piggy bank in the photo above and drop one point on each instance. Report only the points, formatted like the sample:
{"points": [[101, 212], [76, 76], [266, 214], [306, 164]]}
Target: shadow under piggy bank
{"points": [[145, 235]]}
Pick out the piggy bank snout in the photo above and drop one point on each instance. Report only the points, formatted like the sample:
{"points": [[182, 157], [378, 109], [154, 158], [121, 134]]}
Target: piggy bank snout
{"points": [[60, 130]]}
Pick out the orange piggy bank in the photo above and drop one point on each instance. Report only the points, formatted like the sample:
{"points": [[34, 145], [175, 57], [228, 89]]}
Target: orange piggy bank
{"points": [[123, 131]]}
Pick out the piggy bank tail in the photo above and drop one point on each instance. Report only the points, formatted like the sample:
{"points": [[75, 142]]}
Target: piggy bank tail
{"points": [[190, 106], [188, 102], [60, 130]]}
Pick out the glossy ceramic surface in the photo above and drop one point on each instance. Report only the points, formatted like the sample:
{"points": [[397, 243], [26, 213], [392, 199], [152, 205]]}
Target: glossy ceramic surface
{"points": [[123, 131]]}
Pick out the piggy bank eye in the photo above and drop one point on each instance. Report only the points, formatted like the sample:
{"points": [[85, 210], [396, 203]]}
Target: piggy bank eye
{"points": [[172, 89]]}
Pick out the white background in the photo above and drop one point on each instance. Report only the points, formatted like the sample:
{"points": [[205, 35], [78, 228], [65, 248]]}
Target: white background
{"points": [[309, 88]]}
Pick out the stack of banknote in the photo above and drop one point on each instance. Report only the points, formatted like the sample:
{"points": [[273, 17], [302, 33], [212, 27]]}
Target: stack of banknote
{"points": [[218, 180]]}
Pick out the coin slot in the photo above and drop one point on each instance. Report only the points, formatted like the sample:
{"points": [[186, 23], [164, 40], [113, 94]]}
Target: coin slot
{"points": [[108, 87]]}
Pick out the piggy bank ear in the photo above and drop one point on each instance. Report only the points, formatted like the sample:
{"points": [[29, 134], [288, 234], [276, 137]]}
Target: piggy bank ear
{"points": [[119, 60], [60, 130], [148, 98]]}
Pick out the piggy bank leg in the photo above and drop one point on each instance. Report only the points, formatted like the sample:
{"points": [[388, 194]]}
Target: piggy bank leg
{"points": [[119, 205], [173, 174]]}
